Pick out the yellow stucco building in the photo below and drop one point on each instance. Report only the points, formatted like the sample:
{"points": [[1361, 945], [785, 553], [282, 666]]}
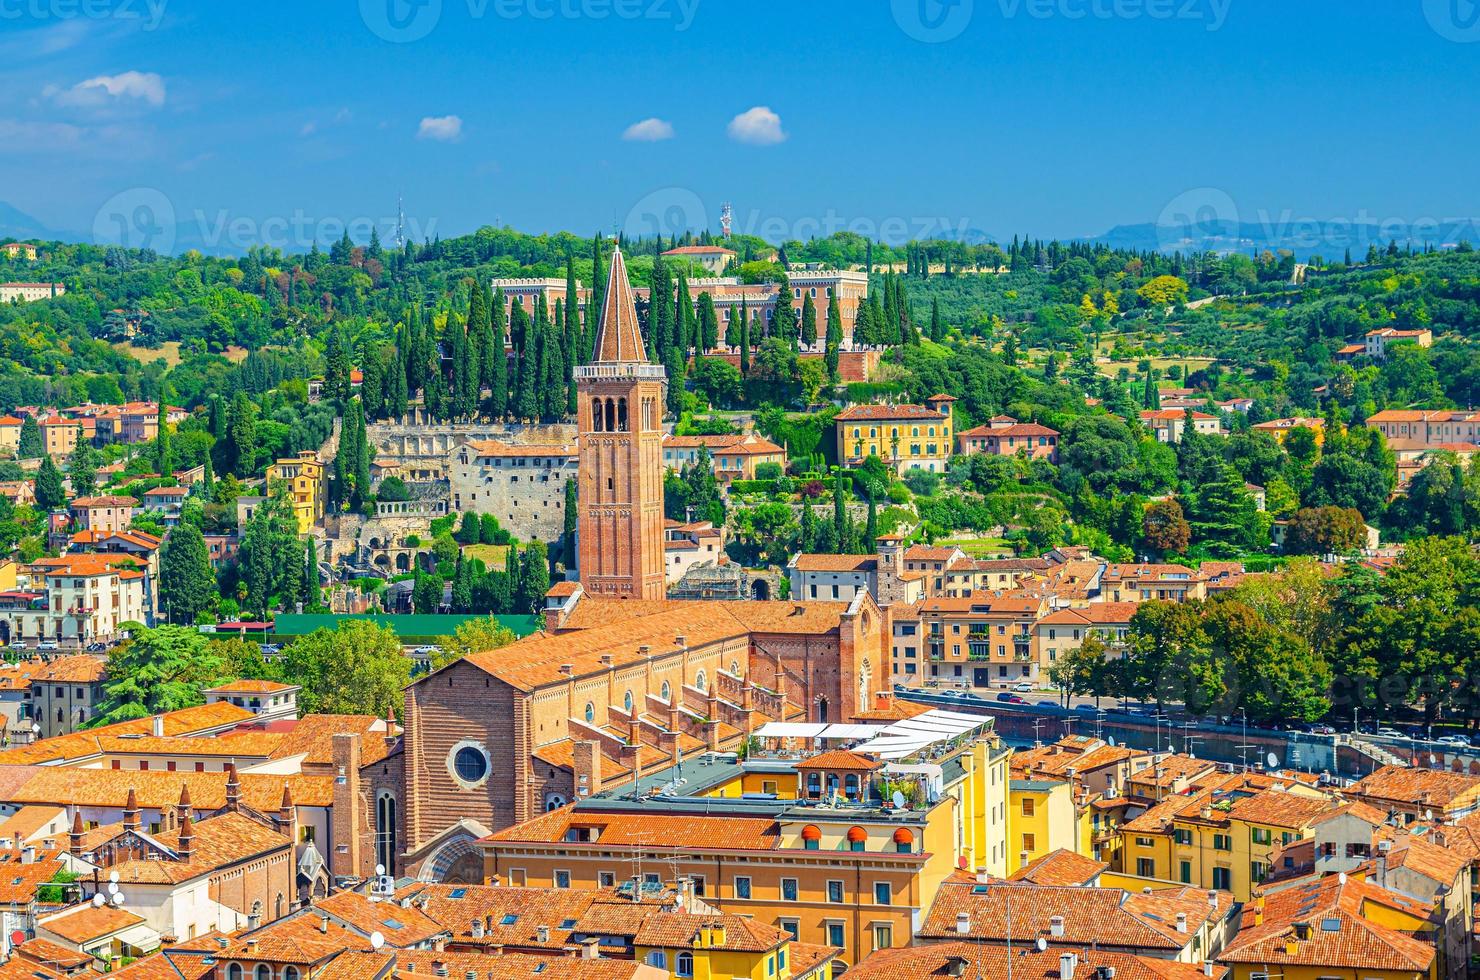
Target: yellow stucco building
{"points": [[904, 436], [306, 481]]}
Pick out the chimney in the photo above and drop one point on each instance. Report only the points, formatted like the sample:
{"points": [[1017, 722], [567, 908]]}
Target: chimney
{"points": [[981, 876], [589, 949], [1056, 926], [568, 670], [439, 968], [348, 813], [1212, 898], [156, 726], [586, 759], [963, 924], [1068, 963], [1207, 968], [608, 660], [187, 837], [28, 855], [74, 838], [390, 728], [1022, 859], [1181, 921], [131, 811], [477, 930], [233, 787], [324, 924], [542, 935], [183, 808], [287, 815]]}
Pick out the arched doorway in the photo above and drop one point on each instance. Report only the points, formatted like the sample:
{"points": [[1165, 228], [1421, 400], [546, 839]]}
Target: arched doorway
{"points": [[760, 589], [457, 862], [822, 718]]}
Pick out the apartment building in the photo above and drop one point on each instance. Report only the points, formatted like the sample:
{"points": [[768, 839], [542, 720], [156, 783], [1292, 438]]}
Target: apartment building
{"points": [[306, 481], [1004, 435], [1167, 424], [904, 436]]}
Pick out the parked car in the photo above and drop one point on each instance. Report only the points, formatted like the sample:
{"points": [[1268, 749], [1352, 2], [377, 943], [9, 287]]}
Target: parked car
{"points": [[270, 648], [1024, 687], [1087, 708], [17, 644], [1389, 733], [1456, 740], [47, 645], [1011, 699], [1048, 704], [97, 646], [1320, 728]]}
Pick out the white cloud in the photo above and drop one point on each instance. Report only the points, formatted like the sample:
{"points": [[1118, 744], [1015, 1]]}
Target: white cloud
{"points": [[103, 89], [758, 125], [445, 129], [650, 130], [308, 129]]}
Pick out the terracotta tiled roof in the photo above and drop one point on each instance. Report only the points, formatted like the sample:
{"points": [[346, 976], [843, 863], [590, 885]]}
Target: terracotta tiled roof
{"points": [[18, 882], [167, 965], [515, 966], [561, 589], [1434, 861], [105, 501], [940, 961], [679, 930], [509, 916], [48, 953], [1337, 932], [699, 250], [670, 830], [186, 721], [840, 759], [1103, 916], [1060, 867], [220, 842], [303, 938], [493, 447], [837, 563], [889, 413], [1414, 786], [1016, 429], [78, 669], [85, 923], [401, 927], [251, 687], [156, 790]]}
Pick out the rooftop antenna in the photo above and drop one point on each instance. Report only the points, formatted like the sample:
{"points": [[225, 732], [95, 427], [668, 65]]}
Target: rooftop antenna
{"points": [[400, 223], [726, 218]]}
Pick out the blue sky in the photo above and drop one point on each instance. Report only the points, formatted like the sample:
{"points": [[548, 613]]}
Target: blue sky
{"points": [[1054, 117]]}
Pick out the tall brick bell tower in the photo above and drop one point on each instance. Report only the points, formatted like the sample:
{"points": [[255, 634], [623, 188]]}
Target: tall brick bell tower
{"points": [[620, 495]]}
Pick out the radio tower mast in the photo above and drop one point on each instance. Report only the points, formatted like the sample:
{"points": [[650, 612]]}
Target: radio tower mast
{"points": [[726, 216], [400, 224]]}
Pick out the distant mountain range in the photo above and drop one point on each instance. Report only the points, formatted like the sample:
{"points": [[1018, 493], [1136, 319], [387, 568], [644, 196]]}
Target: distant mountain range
{"points": [[1328, 239]]}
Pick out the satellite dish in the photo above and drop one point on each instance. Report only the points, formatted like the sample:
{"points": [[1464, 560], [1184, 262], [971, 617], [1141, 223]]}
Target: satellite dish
{"points": [[1111, 741], [376, 940], [99, 901], [117, 899], [112, 888], [1341, 878], [379, 870], [899, 800], [1272, 760], [113, 877], [1041, 944]]}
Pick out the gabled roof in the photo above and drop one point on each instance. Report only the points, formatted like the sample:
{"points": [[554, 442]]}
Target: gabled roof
{"points": [[1060, 867], [840, 759]]}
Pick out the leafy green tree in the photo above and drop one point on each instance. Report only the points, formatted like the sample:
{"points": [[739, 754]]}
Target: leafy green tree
{"points": [[1170, 658], [470, 531], [357, 668], [1165, 529], [187, 586], [426, 593], [155, 671], [1224, 512], [164, 458], [239, 447], [1325, 531], [534, 578], [50, 492], [472, 636], [568, 538]]}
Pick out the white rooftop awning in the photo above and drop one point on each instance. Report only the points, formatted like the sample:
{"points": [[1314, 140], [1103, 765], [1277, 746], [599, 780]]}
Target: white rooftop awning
{"points": [[852, 731]]}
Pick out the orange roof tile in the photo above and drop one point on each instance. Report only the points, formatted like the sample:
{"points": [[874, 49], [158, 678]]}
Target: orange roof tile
{"points": [[85, 923]]}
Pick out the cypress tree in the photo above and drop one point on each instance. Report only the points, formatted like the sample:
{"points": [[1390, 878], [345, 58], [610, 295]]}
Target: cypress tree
{"points": [[834, 337], [660, 313], [809, 323], [50, 493], [937, 325], [498, 368], [82, 468], [310, 595], [527, 400], [675, 365], [518, 325], [553, 385], [871, 529], [372, 386], [395, 396], [571, 522], [597, 298], [686, 331], [31, 445], [164, 458], [708, 328], [840, 510], [744, 342], [784, 322]]}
